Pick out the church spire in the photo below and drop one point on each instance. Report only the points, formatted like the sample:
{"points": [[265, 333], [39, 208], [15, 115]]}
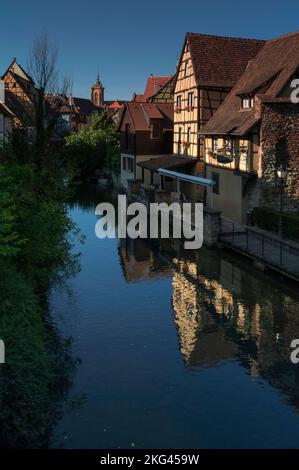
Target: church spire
{"points": [[97, 92]]}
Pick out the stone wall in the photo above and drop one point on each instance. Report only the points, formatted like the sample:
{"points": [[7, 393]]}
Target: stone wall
{"points": [[280, 145], [211, 226]]}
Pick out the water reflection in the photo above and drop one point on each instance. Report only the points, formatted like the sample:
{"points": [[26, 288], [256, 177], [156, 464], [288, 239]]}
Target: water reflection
{"points": [[223, 309]]}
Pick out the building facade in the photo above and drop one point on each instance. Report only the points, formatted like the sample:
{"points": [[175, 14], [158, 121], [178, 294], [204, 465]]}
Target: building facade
{"points": [[145, 133], [255, 132], [20, 95], [208, 68]]}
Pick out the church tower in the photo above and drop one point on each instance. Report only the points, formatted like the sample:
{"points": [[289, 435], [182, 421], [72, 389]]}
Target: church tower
{"points": [[97, 92]]}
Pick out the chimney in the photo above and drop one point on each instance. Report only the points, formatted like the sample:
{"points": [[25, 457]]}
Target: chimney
{"points": [[2, 92]]}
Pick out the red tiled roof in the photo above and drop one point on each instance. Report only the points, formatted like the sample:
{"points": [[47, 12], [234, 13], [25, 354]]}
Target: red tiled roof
{"points": [[84, 106], [152, 111], [116, 105], [278, 60], [141, 113], [138, 98], [153, 85], [218, 60]]}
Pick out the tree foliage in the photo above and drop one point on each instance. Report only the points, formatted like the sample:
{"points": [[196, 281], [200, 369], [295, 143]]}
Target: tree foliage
{"points": [[95, 147]]}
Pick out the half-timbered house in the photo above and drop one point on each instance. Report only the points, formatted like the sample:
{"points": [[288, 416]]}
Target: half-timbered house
{"points": [[254, 132], [153, 85], [20, 95], [6, 116], [208, 68]]}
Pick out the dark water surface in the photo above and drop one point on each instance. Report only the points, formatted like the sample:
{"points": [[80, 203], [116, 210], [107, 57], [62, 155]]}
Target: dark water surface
{"points": [[179, 349]]}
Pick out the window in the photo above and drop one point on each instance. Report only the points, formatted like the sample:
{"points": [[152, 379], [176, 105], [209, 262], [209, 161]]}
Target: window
{"points": [[214, 144], [130, 165], [186, 68], [179, 140], [215, 178], [156, 130], [190, 100], [179, 101], [189, 135], [228, 143], [180, 135], [127, 136], [247, 102]]}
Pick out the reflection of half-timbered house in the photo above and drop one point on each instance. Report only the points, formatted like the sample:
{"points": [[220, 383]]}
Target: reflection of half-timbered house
{"points": [[208, 68], [20, 95], [254, 132]]}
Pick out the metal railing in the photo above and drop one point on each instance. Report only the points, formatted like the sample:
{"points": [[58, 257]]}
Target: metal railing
{"points": [[264, 247]]}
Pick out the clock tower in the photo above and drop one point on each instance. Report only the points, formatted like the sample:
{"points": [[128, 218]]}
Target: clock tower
{"points": [[97, 92]]}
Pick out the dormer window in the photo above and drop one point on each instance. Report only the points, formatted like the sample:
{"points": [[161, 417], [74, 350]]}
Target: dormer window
{"points": [[247, 102]]}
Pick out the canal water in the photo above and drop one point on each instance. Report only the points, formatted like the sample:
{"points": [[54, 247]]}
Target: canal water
{"points": [[177, 349]]}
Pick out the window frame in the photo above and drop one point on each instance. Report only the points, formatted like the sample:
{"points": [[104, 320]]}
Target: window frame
{"points": [[215, 144], [216, 187]]}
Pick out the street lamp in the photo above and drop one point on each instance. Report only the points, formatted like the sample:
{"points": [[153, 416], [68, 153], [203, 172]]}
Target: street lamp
{"points": [[281, 173]]}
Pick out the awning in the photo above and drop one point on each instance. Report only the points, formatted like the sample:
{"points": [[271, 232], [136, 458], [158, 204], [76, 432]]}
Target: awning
{"points": [[185, 177], [166, 161]]}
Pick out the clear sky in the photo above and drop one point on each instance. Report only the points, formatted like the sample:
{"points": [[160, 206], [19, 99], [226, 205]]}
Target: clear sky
{"points": [[128, 40]]}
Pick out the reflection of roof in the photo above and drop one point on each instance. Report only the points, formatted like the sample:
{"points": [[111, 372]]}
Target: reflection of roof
{"points": [[153, 85], [266, 74], [167, 161], [218, 60]]}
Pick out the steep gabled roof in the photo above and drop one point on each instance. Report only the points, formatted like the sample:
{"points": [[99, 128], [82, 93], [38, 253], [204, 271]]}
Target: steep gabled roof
{"points": [[16, 107], [274, 66], [117, 104], [153, 85], [18, 70], [84, 106], [142, 113], [168, 87], [219, 61]]}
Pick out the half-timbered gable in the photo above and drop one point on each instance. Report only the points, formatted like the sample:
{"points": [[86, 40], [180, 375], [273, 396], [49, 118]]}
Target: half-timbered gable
{"points": [[208, 68], [153, 85], [254, 132], [21, 94], [165, 93]]}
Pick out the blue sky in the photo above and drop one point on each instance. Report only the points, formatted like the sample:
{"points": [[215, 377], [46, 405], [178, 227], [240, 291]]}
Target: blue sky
{"points": [[128, 40]]}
